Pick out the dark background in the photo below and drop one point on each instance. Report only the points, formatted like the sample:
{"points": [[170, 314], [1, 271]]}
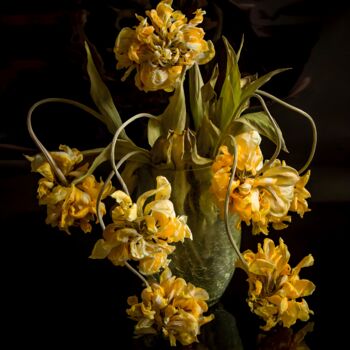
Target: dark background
{"points": [[52, 295]]}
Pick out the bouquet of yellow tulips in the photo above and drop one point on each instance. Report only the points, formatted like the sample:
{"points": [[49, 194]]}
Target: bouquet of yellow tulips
{"points": [[203, 126]]}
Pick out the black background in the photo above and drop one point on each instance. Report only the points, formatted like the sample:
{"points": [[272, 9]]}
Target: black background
{"points": [[52, 295]]}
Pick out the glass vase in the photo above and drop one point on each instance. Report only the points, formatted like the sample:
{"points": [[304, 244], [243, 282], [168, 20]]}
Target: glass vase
{"points": [[208, 260]]}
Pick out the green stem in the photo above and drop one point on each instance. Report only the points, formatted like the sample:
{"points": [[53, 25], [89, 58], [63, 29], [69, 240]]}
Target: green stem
{"points": [[279, 142], [18, 148], [44, 151], [109, 178], [92, 152], [60, 176], [303, 113], [99, 198], [114, 142], [227, 200], [137, 273]]}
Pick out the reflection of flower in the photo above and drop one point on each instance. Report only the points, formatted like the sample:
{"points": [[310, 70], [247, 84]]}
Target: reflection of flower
{"points": [[173, 307], [285, 339], [160, 51], [71, 205], [274, 288], [142, 231], [258, 199]]}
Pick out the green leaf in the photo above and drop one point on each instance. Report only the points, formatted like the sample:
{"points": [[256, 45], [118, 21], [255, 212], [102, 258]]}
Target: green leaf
{"points": [[207, 136], [124, 147], [236, 127], [231, 89], [240, 48], [182, 186], [196, 103], [263, 125], [101, 158], [208, 89], [154, 131], [130, 176], [250, 88], [161, 151], [102, 97], [174, 116], [192, 148], [91, 152]]}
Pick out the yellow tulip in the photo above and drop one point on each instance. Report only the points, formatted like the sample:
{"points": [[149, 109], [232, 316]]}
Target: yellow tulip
{"points": [[70, 205], [143, 231], [172, 307], [161, 50], [274, 287], [262, 199]]}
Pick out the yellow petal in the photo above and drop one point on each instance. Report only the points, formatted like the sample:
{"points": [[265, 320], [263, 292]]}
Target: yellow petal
{"points": [[152, 264], [101, 250], [250, 157]]}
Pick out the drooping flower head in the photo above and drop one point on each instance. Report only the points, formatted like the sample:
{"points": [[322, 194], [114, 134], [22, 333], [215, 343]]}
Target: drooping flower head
{"points": [[275, 290], [258, 199], [172, 307], [143, 231], [68, 205], [162, 49]]}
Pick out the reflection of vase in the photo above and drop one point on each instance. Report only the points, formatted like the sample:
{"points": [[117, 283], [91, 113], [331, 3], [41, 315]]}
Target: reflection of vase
{"points": [[207, 261], [222, 334]]}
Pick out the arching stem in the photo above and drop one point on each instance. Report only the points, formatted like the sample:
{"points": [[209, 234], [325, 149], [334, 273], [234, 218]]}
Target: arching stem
{"points": [[109, 178], [143, 279], [279, 142], [114, 141], [58, 172], [61, 178], [99, 198], [303, 113], [227, 200], [18, 148]]}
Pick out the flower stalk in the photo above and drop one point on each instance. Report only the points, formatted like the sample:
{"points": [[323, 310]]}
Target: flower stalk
{"points": [[227, 201], [307, 116], [114, 142], [277, 132], [143, 279]]}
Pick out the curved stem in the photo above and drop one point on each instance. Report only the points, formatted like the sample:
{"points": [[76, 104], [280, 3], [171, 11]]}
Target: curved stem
{"points": [[58, 172], [109, 178], [303, 113], [75, 104], [137, 274], [279, 143], [92, 152], [227, 200], [13, 147], [114, 141], [99, 198], [44, 151]]}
